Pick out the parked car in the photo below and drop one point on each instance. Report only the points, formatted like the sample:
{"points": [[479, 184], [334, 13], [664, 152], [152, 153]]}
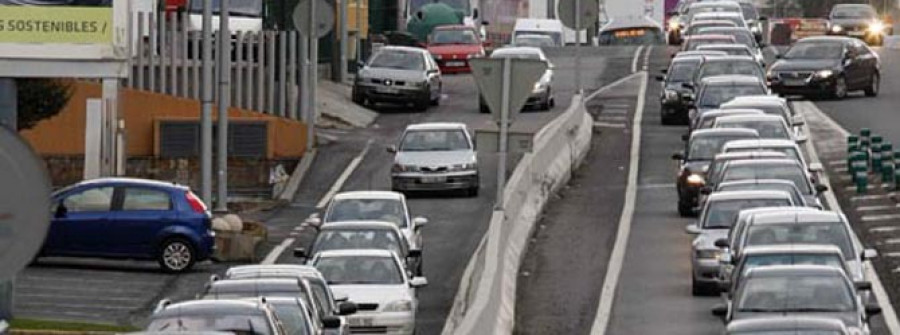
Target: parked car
{"points": [[799, 290], [787, 325], [399, 74], [343, 235], [435, 156], [719, 213], [375, 280], [768, 126], [453, 46], [858, 20], [716, 90], [691, 43], [708, 118], [699, 150], [235, 316], [787, 169], [542, 96], [733, 66], [826, 65], [382, 206], [734, 270], [763, 185], [129, 218], [681, 70]]}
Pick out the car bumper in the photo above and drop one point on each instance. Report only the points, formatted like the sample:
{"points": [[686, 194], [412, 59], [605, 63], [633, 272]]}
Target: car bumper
{"points": [[541, 97], [818, 86], [390, 323], [434, 181], [675, 110], [706, 270], [454, 66], [390, 94]]}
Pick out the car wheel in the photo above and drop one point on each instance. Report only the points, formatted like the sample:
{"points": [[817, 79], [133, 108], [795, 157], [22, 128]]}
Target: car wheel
{"points": [[696, 288], [437, 100], [483, 108], [840, 88], [472, 192], [424, 101], [665, 119], [176, 255], [874, 86], [685, 210], [357, 97]]}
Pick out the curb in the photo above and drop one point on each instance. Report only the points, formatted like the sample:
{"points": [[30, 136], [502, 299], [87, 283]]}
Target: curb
{"points": [[56, 332], [297, 176]]}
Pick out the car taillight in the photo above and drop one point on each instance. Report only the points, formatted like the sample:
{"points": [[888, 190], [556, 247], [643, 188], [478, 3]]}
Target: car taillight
{"points": [[196, 204]]}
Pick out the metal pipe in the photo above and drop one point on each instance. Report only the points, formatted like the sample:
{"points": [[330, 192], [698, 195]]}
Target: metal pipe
{"points": [[504, 132], [281, 81], [224, 102], [207, 103], [342, 30], [313, 77]]}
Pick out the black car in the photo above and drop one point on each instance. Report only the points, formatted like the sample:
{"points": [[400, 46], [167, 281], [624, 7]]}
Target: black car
{"points": [[859, 21], [699, 150], [674, 108], [826, 65]]}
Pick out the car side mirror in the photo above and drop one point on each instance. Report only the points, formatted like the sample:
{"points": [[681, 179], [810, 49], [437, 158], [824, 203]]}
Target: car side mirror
{"points": [[391, 149], [347, 308], [816, 167], [418, 222], [61, 211], [314, 222], [706, 190], [687, 86], [418, 282], [862, 285], [414, 253], [721, 243], [872, 310], [869, 254], [692, 229], [475, 13], [798, 120], [331, 322], [660, 78], [300, 253], [678, 156], [720, 310], [821, 188], [801, 139]]}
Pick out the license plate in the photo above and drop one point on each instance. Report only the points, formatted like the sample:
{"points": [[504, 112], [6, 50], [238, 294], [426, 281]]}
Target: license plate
{"points": [[388, 90], [456, 64], [361, 322], [434, 180], [794, 82]]}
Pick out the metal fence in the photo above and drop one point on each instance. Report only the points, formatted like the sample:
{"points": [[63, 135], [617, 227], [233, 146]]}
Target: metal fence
{"points": [[265, 69]]}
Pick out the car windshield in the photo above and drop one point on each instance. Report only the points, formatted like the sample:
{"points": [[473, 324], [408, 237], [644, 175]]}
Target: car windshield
{"points": [[731, 51], [791, 152], [698, 27], [816, 50], [796, 293], [252, 8], [749, 11], [397, 59], [682, 72], [822, 233], [767, 129], [780, 171], [740, 37], [343, 239], [454, 36], [853, 12], [435, 140], [387, 210], [537, 41], [705, 147], [236, 324], [360, 270], [755, 261], [696, 42], [789, 188], [292, 317], [555, 37], [727, 68], [707, 121], [715, 95], [722, 214]]}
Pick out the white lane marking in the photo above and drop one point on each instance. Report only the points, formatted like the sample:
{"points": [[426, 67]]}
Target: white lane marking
{"points": [[602, 117], [275, 253], [655, 186], [599, 124], [615, 111], [841, 169], [837, 163], [616, 259], [611, 85], [884, 229], [882, 217], [343, 177], [877, 208], [890, 316], [647, 58], [872, 197], [637, 57]]}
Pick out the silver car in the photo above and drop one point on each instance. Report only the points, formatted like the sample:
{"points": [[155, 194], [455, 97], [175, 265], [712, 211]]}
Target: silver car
{"points": [[399, 75], [234, 316], [435, 156], [542, 95], [719, 213]]}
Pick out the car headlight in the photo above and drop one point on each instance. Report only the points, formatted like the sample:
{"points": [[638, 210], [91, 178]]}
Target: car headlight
{"points": [[399, 306], [404, 168], [475, 55], [836, 28], [671, 95], [754, 29], [438, 57], [876, 27], [824, 74], [539, 86], [696, 180], [418, 83], [708, 253], [464, 167], [673, 24]]}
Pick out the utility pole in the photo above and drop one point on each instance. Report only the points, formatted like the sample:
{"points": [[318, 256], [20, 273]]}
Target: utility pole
{"points": [[312, 74], [8, 118], [207, 104], [578, 87], [224, 69], [342, 31]]}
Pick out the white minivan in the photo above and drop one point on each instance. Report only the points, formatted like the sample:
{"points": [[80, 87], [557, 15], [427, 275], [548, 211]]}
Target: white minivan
{"points": [[529, 28]]}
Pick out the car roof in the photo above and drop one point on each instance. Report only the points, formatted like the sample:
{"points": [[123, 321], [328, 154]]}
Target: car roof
{"points": [[357, 252], [723, 46], [791, 248], [711, 22], [757, 97], [785, 323], [732, 58], [782, 270], [700, 53], [798, 217], [715, 30], [402, 48], [753, 102], [740, 195], [626, 22], [773, 161], [368, 195], [437, 126], [755, 117], [739, 111], [454, 27], [211, 307], [131, 181], [253, 284], [517, 50], [370, 225], [304, 271], [687, 58], [730, 80], [714, 3], [718, 14], [713, 132], [861, 5], [825, 39], [763, 142], [758, 182], [749, 154], [710, 37], [745, 213]]}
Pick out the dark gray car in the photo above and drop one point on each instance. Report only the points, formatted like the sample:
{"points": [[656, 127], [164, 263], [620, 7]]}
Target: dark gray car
{"points": [[237, 316], [398, 74]]}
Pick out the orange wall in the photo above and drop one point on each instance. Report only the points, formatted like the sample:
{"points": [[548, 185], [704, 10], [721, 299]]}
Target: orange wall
{"points": [[64, 133]]}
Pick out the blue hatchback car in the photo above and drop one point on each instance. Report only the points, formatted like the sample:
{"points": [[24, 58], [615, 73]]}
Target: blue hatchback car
{"points": [[130, 219]]}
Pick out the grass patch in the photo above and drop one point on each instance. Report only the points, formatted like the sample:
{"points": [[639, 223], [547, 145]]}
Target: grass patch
{"points": [[35, 324]]}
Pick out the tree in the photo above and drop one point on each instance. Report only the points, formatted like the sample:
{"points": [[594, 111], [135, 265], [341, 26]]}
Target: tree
{"points": [[39, 99]]}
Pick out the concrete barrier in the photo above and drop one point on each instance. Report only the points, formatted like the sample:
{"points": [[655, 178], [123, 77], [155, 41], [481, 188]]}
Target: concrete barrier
{"points": [[486, 300]]}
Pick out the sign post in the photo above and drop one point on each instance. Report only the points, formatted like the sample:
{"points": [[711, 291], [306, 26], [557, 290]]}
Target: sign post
{"points": [[573, 14], [224, 69], [314, 19], [505, 84]]}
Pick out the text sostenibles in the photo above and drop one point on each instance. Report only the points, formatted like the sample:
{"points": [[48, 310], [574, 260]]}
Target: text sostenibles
{"points": [[56, 24]]}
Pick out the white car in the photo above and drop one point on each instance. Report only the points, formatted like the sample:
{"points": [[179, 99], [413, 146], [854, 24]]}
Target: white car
{"points": [[435, 157], [383, 206], [769, 126], [376, 281]]}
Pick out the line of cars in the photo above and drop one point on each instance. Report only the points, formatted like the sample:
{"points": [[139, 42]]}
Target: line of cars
{"points": [[763, 240]]}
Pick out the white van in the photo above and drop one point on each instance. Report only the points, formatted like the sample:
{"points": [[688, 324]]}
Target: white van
{"points": [[545, 27]]}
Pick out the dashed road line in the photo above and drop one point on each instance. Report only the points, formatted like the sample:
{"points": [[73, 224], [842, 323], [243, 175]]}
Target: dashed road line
{"points": [[877, 208], [637, 57], [344, 176], [872, 197], [883, 229], [600, 124], [882, 217], [275, 253]]}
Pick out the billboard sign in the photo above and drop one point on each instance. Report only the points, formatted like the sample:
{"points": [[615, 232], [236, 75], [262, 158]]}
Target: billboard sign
{"points": [[64, 29]]}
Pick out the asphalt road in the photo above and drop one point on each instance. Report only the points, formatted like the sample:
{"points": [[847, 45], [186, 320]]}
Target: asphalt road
{"points": [[125, 292]]}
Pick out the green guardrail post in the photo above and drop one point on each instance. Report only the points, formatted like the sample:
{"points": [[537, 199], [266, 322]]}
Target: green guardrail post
{"points": [[861, 181], [876, 157], [851, 148], [864, 133], [887, 162]]}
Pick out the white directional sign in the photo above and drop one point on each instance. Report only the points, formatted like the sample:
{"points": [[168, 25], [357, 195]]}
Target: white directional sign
{"points": [[523, 73], [324, 17], [590, 11]]}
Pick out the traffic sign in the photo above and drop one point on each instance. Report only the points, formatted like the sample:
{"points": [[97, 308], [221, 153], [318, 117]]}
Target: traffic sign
{"points": [[24, 206], [523, 73], [324, 17], [590, 11]]}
